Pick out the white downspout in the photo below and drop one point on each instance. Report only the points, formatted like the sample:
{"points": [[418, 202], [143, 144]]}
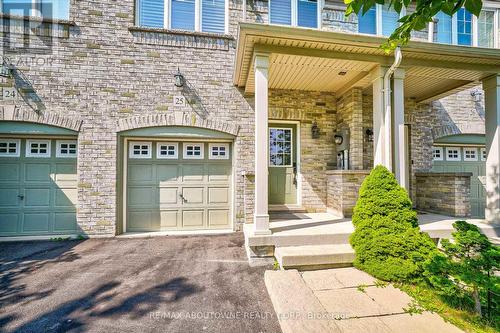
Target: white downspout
{"points": [[398, 56]]}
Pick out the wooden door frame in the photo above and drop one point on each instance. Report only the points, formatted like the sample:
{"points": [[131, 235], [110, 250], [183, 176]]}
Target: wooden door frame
{"points": [[298, 155]]}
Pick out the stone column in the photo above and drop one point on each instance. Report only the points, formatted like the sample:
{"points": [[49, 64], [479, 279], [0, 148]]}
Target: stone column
{"points": [[261, 217], [400, 146], [491, 87], [378, 117]]}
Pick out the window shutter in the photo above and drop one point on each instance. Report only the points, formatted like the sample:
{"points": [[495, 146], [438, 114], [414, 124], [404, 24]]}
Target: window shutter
{"points": [[367, 23], [151, 13], [308, 13], [389, 20], [443, 32], [281, 12], [183, 14], [213, 18]]}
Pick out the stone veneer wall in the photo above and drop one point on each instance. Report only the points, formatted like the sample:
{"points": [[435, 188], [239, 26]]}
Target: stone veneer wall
{"points": [[343, 190], [444, 193], [350, 115]]}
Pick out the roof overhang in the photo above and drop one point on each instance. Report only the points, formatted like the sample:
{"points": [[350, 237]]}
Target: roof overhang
{"points": [[315, 60]]}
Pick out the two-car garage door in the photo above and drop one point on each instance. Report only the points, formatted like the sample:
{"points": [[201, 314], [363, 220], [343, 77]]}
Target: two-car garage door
{"points": [[176, 185]]}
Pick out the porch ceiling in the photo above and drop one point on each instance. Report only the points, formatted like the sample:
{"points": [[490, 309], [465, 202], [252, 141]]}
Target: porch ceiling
{"points": [[308, 59]]}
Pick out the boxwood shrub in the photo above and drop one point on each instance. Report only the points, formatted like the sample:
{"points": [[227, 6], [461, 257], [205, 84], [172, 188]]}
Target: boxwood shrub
{"points": [[387, 240]]}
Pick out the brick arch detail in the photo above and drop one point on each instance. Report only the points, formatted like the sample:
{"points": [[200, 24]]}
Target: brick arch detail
{"points": [[176, 119], [15, 113], [447, 130]]}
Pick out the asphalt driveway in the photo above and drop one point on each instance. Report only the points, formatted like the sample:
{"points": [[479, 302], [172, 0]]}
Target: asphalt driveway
{"points": [[167, 284]]}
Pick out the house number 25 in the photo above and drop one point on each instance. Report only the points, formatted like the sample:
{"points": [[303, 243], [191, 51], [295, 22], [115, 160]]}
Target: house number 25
{"points": [[179, 101]]}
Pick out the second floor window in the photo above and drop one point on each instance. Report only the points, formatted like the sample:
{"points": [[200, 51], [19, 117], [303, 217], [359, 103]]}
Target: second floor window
{"points": [[302, 13], [51, 9], [465, 29], [379, 20], [190, 15]]}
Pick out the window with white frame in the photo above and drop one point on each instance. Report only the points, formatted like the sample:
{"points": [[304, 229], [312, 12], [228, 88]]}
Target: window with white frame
{"points": [[453, 154], [379, 20], [437, 153], [190, 15], [168, 150], [66, 148], [51, 9], [219, 151], [10, 148], [470, 154], [301, 13], [463, 28], [483, 154], [37, 148], [193, 151], [140, 150]]}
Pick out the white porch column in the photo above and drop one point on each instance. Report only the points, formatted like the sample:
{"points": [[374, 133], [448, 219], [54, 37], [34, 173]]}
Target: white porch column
{"points": [[379, 141], [491, 87], [261, 216], [400, 146]]}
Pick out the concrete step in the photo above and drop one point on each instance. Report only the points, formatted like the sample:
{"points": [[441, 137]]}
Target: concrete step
{"points": [[314, 256]]}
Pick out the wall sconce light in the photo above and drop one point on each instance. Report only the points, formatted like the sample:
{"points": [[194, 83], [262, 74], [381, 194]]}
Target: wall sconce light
{"points": [[369, 135], [4, 70], [476, 93], [315, 131], [338, 139], [179, 79]]}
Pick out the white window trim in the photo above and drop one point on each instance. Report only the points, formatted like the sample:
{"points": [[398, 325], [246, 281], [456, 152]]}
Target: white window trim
{"points": [[470, 159], [142, 143], [475, 29], [58, 149], [167, 15], [295, 14], [459, 158], [167, 157], [18, 148], [30, 154], [184, 151], [379, 21], [441, 153], [212, 157]]}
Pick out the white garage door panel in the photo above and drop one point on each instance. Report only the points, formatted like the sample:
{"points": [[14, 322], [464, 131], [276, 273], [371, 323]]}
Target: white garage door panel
{"points": [[178, 194]]}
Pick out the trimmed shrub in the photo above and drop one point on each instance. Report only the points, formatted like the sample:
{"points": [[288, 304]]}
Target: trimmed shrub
{"points": [[386, 239]]}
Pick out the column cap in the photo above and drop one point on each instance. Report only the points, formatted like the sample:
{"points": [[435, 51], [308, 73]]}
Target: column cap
{"points": [[261, 60], [491, 81]]}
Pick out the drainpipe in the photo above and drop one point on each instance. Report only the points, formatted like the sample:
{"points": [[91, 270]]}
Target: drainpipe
{"points": [[398, 56]]}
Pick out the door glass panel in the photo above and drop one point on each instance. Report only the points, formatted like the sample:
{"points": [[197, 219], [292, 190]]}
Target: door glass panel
{"points": [[280, 147]]}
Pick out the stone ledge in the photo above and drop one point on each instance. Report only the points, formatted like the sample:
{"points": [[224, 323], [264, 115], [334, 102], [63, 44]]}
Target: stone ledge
{"points": [[348, 172], [180, 38], [37, 26], [443, 174]]}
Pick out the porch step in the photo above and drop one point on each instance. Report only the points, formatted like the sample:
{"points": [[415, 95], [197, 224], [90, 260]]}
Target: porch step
{"points": [[314, 256]]}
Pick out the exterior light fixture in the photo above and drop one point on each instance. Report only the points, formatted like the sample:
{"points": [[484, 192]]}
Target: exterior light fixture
{"points": [[369, 135], [315, 131], [476, 93], [342, 73], [179, 79], [338, 139], [4, 70]]}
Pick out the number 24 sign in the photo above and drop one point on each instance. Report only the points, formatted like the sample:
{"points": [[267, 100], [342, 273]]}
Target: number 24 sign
{"points": [[9, 94]]}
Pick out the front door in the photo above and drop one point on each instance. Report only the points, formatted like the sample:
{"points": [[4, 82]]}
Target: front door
{"points": [[282, 164]]}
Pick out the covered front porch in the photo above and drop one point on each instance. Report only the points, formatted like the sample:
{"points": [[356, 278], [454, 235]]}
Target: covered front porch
{"points": [[381, 115]]}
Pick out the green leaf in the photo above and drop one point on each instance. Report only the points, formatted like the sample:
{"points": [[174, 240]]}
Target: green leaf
{"points": [[474, 6]]}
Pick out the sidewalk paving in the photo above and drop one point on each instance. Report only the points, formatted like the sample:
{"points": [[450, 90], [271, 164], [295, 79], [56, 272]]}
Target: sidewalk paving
{"points": [[345, 300]]}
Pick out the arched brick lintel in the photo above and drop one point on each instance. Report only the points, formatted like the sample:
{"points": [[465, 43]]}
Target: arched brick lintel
{"points": [[176, 119], [14, 113], [447, 130]]}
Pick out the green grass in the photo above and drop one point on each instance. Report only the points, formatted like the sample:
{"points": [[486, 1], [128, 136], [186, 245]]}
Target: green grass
{"points": [[464, 319]]}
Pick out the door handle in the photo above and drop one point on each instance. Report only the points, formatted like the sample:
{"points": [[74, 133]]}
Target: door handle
{"points": [[21, 197], [182, 197]]}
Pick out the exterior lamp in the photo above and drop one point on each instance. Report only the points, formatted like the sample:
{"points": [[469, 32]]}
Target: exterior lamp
{"points": [[179, 79], [369, 135], [4, 70], [315, 131], [338, 139]]}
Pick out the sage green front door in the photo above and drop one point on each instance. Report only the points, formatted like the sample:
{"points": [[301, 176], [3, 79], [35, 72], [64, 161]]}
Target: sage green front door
{"points": [[38, 186], [178, 185], [282, 164]]}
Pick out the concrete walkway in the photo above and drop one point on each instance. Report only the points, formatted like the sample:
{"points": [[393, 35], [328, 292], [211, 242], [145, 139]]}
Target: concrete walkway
{"points": [[345, 300]]}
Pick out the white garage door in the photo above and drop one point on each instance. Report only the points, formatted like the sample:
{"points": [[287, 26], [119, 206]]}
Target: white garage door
{"points": [[178, 185]]}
